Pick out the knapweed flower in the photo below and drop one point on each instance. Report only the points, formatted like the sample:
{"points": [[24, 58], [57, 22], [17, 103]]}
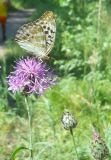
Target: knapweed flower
{"points": [[68, 121], [30, 76], [99, 149]]}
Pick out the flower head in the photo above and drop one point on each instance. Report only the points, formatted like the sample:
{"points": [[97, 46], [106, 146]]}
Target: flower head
{"points": [[98, 147], [30, 76], [68, 121], [96, 136]]}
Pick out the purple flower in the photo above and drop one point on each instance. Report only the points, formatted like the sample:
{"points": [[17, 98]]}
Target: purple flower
{"points": [[96, 136], [30, 76], [99, 148]]}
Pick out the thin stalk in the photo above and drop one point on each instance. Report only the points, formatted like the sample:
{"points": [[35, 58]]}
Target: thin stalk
{"points": [[52, 122], [99, 19], [30, 129], [49, 106], [4, 75], [71, 132]]}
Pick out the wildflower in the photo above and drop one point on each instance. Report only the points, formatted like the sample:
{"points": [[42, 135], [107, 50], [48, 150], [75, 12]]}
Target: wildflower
{"points": [[99, 149], [30, 76], [68, 121], [94, 60]]}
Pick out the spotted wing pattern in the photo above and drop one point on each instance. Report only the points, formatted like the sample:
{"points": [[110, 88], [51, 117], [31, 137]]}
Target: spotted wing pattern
{"points": [[38, 37]]}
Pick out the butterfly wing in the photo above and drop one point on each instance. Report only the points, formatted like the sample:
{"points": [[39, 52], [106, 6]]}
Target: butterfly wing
{"points": [[38, 37], [47, 21], [32, 38]]}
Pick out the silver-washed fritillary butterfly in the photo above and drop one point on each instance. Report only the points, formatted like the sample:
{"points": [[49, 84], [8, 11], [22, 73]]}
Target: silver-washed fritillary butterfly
{"points": [[38, 37]]}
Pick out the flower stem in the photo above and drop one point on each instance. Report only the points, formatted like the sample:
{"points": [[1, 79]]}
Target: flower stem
{"points": [[30, 128], [99, 19], [52, 122], [71, 132]]}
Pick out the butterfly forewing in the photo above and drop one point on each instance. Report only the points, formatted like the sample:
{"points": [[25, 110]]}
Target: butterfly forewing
{"points": [[49, 27], [38, 37]]}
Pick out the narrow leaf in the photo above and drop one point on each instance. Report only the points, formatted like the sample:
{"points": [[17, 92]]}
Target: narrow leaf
{"points": [[16, 151]]}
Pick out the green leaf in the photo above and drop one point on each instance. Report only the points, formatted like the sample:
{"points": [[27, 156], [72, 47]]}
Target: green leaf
{"points": [[16, 151]]}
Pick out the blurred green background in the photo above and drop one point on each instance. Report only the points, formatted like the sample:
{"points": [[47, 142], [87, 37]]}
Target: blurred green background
{"points": [[81, 58]]}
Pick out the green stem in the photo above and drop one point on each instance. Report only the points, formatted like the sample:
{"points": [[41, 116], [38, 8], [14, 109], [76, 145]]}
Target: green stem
{"points": [[30, 129], [99, 19], [52, 121], [71, 132]]}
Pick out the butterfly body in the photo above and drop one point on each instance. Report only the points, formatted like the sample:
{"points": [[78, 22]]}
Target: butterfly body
{"points": [[38, 37]]}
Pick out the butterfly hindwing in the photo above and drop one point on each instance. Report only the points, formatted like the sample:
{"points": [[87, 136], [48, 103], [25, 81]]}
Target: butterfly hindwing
{"points": [[38, 37], [31, 38]]}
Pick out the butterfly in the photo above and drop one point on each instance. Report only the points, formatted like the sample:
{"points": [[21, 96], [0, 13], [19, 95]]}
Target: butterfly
{"points": [[38, 37]]}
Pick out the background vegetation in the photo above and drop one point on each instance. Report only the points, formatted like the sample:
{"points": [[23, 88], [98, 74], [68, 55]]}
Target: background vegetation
{"points": [[82, 60]]}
